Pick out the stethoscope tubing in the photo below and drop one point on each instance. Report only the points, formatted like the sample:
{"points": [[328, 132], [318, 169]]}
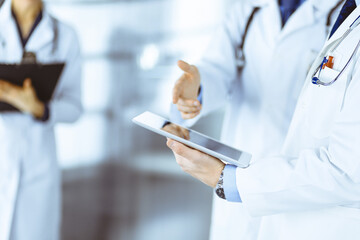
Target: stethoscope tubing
{"points": [[315, 80], [55, 40]]}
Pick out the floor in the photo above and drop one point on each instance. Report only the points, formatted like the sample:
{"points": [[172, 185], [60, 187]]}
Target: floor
{"points": [[112, 201]]}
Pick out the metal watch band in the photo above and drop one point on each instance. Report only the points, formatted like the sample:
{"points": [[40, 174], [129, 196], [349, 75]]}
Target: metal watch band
{"points": [[219, 187]]}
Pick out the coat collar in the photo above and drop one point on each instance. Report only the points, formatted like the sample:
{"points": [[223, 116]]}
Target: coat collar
{"points": [[306, 15], [344, 26], [43, 34], [259, 3], [325, 5], [315, 10], [317, 5]]}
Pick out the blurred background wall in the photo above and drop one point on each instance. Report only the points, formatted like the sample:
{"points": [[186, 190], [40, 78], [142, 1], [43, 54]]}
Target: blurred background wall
{"points": [[120, 181]]}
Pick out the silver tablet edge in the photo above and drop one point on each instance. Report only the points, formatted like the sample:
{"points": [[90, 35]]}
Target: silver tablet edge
{"points": [[243, 161]]}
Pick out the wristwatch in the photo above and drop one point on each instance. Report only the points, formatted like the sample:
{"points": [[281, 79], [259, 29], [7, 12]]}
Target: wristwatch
{"points": [[219, 189]]}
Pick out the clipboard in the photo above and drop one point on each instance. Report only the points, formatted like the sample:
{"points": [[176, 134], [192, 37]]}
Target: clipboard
{"points": [[44, 78]]}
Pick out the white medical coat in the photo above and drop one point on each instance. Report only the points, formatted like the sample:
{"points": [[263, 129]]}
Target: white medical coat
{"points": [[29, 172], [260, 103], [312, 191]]}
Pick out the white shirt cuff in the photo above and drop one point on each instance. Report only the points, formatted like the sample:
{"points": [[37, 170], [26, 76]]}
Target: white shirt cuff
{"points": [[230, 188]]}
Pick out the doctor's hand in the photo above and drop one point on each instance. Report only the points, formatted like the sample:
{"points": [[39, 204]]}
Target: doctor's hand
{"points": [[23, 98], [201, 166], [186, 91]]}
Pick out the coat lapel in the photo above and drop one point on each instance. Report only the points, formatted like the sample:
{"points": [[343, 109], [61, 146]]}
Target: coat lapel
{"points": [[307, 14], [260, 3], [43, 34], [330, 43], [11, 46], [344, 26], [302, 17]]}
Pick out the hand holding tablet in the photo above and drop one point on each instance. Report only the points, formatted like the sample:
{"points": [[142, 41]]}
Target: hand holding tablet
{"points": [[193, 139]]}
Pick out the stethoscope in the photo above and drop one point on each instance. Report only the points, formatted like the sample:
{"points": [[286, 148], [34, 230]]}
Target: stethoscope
{"points": [[30, 57], [316, 79]]}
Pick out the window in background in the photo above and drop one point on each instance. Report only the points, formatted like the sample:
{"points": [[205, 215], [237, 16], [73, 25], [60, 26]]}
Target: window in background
{"points": [[130, 50]]}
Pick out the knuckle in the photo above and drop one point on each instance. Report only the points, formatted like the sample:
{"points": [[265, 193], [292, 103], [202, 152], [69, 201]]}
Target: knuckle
{"points": [[178, 149], [179, 161], [184, 169], [175, 147]]}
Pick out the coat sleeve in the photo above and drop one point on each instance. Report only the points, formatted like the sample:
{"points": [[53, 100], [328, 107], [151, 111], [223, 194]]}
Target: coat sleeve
{"points": [[66, 105], [218, 69], [318, 178], [218, 65]]}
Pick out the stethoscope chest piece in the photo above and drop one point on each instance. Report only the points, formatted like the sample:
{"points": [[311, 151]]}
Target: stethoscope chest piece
{"points": [[28, 58], [315, 80]]}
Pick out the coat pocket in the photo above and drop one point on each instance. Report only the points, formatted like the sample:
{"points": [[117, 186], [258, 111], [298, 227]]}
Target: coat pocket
{"points": [[324, 103], [328, 75]]}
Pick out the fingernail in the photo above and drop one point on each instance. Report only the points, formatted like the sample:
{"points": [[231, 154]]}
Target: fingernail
{"points": [[196, 103]]}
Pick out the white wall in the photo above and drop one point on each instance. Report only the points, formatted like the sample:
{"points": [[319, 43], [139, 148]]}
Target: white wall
{"points": [[130, 49]]}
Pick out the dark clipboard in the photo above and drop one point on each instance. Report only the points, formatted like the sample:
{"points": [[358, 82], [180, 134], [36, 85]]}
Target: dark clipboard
{"points": [[44, 78]]}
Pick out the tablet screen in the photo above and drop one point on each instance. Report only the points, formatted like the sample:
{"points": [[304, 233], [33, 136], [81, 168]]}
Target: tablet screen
{"points": [[153, 121]]}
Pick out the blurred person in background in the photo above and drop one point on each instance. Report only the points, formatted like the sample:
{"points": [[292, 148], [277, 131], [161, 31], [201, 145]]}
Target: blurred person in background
{"points": [[30, 193], [255, 66]]}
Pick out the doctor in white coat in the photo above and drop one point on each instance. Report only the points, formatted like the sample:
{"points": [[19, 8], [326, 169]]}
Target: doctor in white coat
{"points": [[29, 172], [261, 98], [312, 190]]}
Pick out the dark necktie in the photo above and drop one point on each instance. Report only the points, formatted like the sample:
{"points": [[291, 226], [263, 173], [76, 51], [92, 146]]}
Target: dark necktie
{"points": [[347, 9], [287, 8]]}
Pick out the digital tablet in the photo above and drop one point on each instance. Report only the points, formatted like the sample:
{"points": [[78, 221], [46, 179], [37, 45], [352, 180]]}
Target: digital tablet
{"points": [[193, 139]]}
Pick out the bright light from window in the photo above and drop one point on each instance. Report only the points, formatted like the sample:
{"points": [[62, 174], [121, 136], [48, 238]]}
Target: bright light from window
{"points": [[149, 57]]}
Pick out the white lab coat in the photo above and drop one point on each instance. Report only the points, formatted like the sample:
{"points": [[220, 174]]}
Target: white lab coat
{"points": [[261, 103], [312, 191], [29, 172]]}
